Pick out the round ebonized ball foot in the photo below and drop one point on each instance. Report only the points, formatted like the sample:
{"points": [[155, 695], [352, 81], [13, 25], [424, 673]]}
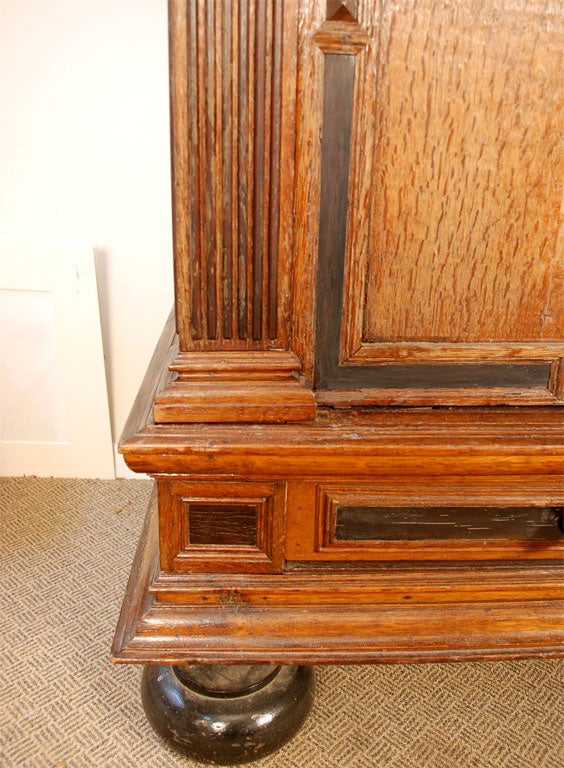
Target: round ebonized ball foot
{"points": [[227, 714]]}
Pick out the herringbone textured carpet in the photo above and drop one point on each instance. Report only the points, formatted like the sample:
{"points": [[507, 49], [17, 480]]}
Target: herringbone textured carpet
{"points": [[66, 548]]}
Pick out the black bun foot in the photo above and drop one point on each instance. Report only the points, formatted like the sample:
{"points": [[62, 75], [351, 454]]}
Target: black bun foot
{"points": [[227, 714]]}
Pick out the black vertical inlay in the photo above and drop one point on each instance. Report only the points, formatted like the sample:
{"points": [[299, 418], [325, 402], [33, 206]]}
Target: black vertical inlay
{"points": [[335, 161]]}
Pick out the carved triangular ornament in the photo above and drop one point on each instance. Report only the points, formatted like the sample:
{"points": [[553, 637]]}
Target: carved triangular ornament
{"points": [[341, 11]]}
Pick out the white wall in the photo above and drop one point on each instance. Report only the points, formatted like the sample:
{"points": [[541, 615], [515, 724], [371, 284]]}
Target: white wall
{"points": [[84, 154]]}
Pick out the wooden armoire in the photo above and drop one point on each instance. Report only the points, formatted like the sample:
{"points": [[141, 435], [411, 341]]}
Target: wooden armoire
{"points": [[354, 416]]}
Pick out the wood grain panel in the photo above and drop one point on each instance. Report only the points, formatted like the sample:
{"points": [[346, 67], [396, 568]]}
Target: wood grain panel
{"points": [[468, 174], [229, 142], [371, 523], [418, 523], [227, 524], [450, 234]]}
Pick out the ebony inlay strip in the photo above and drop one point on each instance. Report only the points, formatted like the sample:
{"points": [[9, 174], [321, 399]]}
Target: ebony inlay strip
{"points": [[437, 375], [335, 161], [222, 524], [360, 523]]}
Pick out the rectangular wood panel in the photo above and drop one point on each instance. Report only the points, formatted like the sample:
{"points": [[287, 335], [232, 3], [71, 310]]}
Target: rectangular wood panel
{"points": [[366, 523], [422, 521], [222, 524], [436, 178], [468, 174], [227, 526]]}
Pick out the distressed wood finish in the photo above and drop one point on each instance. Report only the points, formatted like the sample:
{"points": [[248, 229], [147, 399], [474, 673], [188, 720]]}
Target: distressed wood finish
{"points": [[231, 139], [427, 274], [233, 74], [221, 524], [179, 553], [413, 615], [359, 444], [454, 523], [466, 212], [365, 203], [349, 601], [370, 523]]}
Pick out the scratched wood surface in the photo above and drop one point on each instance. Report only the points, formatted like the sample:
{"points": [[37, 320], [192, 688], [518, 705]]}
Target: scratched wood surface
{"points": [[232, 133], [226, 524], [419, 614], [439, 96], [365, 523], [428, 189], [467, 174]]}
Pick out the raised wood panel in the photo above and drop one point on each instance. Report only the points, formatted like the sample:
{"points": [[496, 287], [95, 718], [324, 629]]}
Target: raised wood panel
{"points": [[225, 526], [433, 165], [465, 212], [232, 132], [424, 519]]}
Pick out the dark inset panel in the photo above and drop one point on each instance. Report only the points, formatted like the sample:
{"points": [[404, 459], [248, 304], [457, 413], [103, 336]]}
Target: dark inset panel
{"points": [[422, 376], [222, 524], [335, 162], [427, 523]]}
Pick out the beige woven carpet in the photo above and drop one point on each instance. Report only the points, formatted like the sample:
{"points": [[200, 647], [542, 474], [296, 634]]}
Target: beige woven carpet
{"points": [[66, 548]]}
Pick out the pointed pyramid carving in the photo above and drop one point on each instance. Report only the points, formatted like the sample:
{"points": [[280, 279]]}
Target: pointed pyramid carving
{"points": [[339, 11]]}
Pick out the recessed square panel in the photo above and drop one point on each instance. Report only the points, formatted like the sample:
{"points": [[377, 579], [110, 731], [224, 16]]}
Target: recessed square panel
{"points": [[222, 524], [224, 527]]}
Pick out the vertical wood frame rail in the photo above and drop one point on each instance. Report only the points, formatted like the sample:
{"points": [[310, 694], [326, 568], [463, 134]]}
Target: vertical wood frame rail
{"points": [[232, 118], [233, 75]]}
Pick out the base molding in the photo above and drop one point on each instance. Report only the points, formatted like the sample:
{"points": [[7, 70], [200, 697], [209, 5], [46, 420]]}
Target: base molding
{"points": [[240, 387], [473, 614]]}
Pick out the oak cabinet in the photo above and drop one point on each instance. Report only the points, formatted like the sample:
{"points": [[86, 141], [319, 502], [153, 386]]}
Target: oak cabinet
{"points": [[354, 416]]}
